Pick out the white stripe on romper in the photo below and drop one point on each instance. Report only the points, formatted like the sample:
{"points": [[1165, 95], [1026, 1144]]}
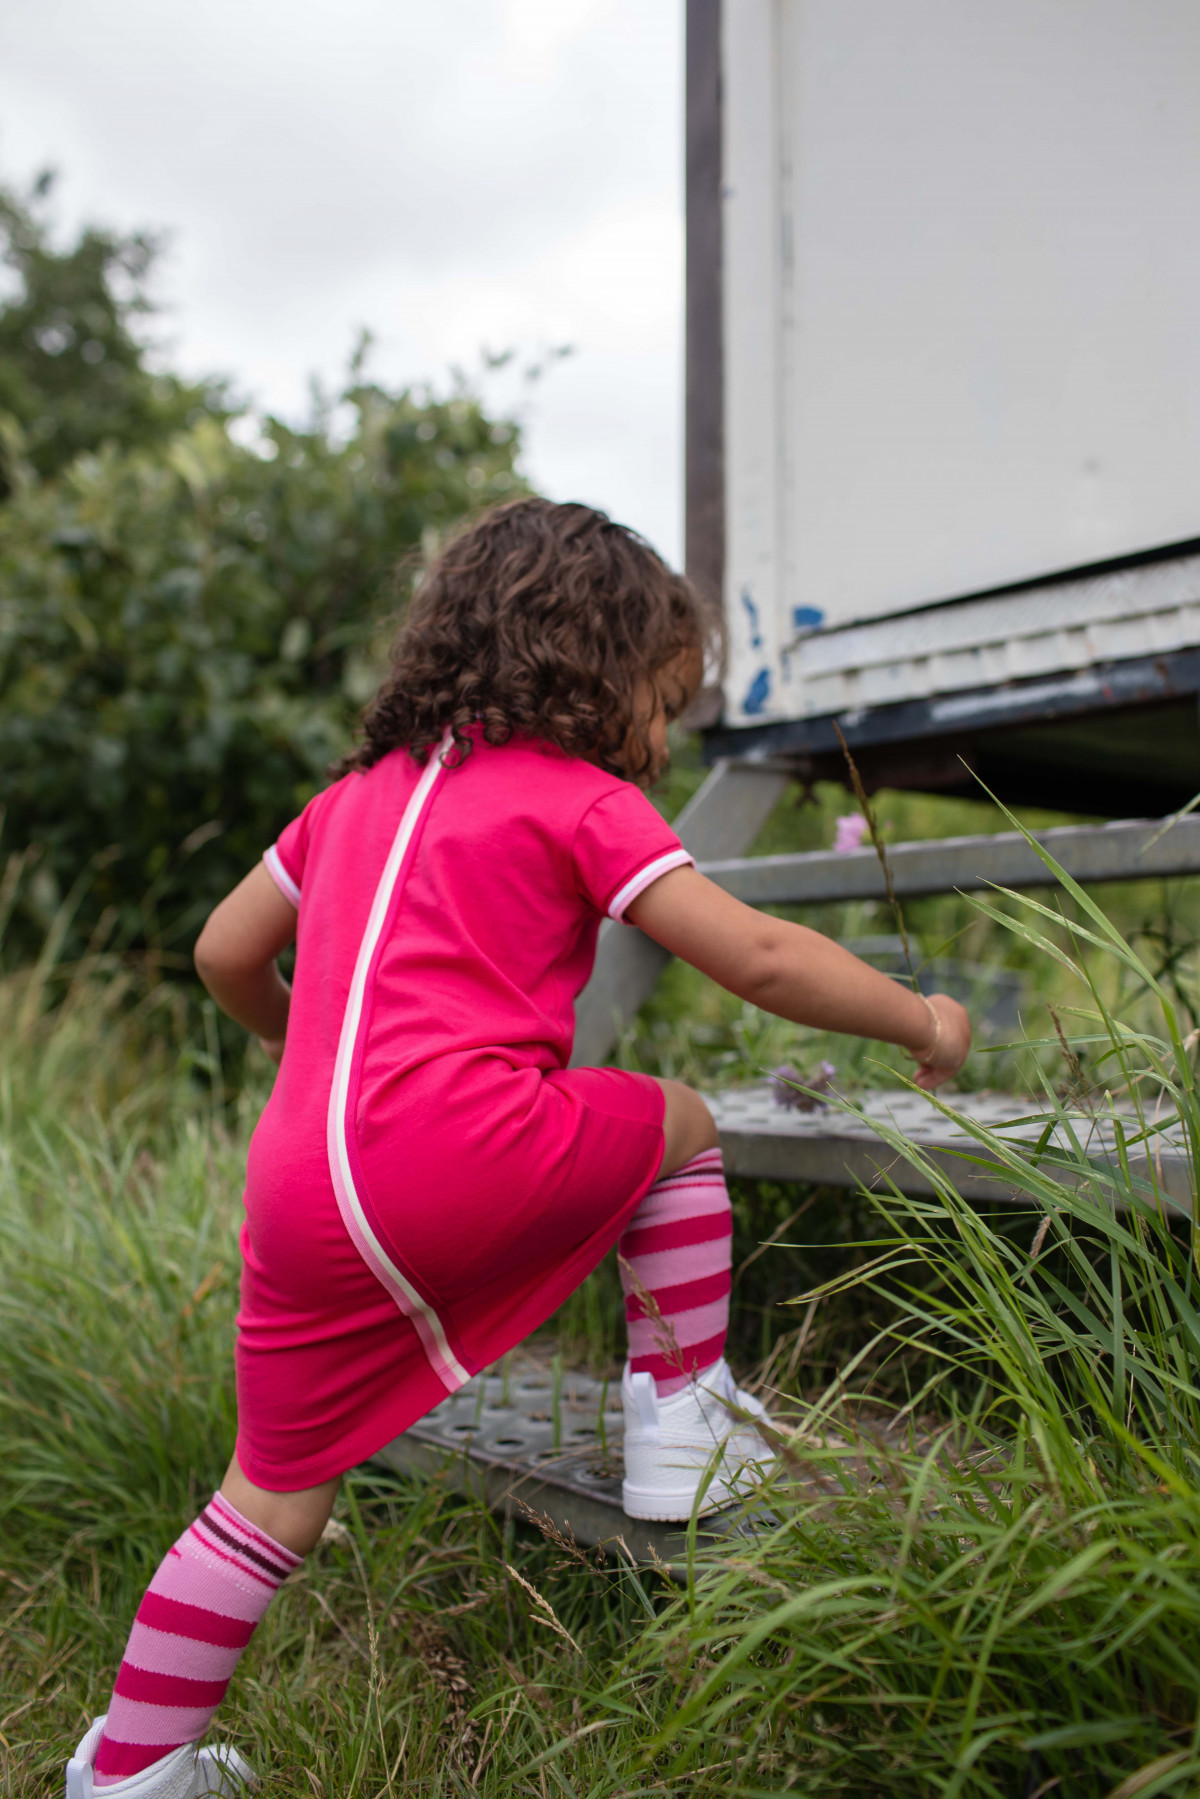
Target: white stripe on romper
{"points": [[442, 1359], [280, 876], [646, 877]]}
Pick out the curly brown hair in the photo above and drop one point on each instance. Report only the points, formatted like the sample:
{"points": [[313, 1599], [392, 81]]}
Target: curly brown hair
{"points": [[546, 621]]}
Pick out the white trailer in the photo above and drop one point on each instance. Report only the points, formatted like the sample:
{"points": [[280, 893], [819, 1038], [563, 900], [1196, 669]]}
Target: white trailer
{"points": [[944, 387], [943, 426]]}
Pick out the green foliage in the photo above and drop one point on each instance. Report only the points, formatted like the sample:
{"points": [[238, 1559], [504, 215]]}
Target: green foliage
{"points": [[73, 369], [187, 631]]}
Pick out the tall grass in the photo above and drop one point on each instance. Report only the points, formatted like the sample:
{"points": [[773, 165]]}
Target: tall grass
{"points": [[978, 1572], [994, 1588], [120, 1185]]}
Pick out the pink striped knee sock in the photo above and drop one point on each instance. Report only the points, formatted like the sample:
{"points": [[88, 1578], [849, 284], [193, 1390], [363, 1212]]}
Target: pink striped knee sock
{"points": [[677, 1251], [197, 1616]]}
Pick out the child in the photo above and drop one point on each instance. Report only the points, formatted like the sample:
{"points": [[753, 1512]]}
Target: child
{"points": [[430, 1180]]}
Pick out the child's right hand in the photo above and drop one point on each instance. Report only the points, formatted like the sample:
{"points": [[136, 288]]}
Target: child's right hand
{"points": [[796, 973], [948, 1044]]}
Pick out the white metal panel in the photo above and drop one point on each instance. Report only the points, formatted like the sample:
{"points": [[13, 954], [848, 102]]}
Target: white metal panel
{"points": [[962, 321], [1143, 611]]}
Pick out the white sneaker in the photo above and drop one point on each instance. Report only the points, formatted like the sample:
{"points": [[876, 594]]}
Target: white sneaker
{"points": [[669, 1443], [186, 1773]]}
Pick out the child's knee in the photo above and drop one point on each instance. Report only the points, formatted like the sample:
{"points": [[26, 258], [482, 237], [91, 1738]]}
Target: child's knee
{"points": [[688, 1126]]}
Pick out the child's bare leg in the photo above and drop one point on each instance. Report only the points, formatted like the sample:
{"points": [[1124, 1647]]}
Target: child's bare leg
{"points": [[294, 1519], [688, 1128]]}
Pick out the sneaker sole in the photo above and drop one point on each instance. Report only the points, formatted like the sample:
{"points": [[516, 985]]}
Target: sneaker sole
{"points": [[659, 1507]]}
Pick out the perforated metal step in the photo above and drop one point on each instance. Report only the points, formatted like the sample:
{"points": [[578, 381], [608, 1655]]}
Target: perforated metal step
{"points": [[543, 1443], [767, 1141]]}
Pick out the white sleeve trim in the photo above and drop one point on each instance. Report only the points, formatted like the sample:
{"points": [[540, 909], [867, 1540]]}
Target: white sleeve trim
{"points": [[645, 877], [281, 877]]}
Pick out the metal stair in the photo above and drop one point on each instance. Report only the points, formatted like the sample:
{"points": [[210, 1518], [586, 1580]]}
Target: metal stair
{"points": [[839, 1148]]}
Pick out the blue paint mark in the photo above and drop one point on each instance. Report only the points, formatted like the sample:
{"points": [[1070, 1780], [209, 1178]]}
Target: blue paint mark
{"points": [[756, 694], [807, 618], [748, 602]]}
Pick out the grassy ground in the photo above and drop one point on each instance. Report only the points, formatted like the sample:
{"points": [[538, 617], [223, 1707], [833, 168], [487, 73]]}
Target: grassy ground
{"points": [[984, 1574]]}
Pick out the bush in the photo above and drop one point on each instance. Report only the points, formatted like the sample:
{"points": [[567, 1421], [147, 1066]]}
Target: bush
{"points": [[74, 371], [186, 635], [191, 607]]}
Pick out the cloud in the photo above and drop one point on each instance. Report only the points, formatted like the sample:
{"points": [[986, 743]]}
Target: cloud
{"points": [[476, 171]]}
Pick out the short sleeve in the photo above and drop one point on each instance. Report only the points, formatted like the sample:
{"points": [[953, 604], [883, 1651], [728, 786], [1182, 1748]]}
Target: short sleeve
{"points": [[286, 856], [621, 846]]}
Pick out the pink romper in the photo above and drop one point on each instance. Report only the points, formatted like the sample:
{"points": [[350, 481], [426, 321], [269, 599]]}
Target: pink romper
{"points": [[429, 1181]]}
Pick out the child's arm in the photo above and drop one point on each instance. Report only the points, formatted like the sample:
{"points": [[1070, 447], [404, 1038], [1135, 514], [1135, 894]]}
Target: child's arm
{"points": [[235, 957], [798, 973]]}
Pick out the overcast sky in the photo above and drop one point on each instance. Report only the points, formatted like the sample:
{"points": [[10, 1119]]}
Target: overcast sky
{"points": [[453, 174]]}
